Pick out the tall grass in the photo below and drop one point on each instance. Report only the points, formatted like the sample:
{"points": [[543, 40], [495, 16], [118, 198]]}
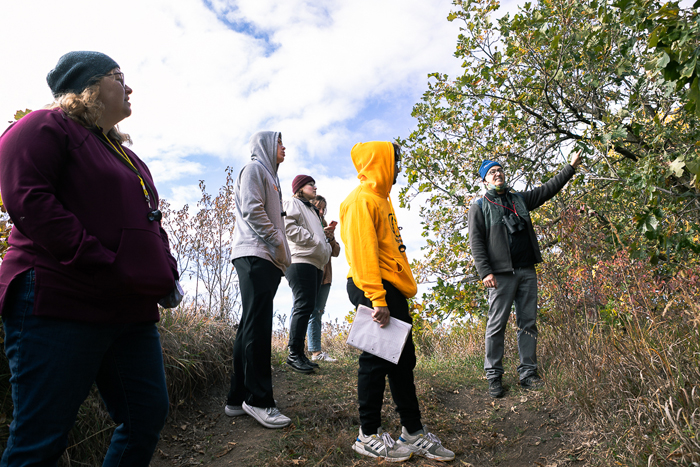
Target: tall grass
{"points": [[624, 338], [639, 385], [197, 350]]}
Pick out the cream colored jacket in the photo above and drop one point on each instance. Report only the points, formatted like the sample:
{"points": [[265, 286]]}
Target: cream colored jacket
{"points": [[305, 235]]}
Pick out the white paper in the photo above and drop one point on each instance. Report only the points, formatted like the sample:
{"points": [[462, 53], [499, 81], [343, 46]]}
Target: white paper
{"points": [[385, 342]]}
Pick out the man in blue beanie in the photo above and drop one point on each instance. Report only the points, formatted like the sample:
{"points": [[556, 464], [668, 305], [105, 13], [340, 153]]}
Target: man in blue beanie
{"points": [[505, 250]]}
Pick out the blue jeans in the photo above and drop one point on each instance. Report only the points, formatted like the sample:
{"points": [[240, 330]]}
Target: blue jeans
{"points": [[54, 363], [519, 287], [314, 330]]}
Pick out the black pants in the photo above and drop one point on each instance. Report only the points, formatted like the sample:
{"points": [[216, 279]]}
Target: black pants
{"points": [[305, 280], [374, 370], [252, 377]]}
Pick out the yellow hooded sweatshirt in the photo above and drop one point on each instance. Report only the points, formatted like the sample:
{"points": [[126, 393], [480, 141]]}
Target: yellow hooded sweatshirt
{"points": [[369, 229]]}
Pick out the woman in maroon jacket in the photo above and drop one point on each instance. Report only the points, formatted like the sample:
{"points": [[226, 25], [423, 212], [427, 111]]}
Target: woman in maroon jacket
{"points": [[87, 263]]}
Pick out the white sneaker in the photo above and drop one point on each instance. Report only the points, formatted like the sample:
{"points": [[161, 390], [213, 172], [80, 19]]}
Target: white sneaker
{"points": [[381, 445], [425, 444], [323, 356], [234, 410], [269, 417]]}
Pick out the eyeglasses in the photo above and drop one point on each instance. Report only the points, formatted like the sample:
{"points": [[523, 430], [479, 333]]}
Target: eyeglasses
{"points": [[118, 76], [495, 171]]}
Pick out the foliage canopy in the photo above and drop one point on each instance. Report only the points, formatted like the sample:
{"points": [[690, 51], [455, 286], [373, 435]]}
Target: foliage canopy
{"points": [[618, 79]]}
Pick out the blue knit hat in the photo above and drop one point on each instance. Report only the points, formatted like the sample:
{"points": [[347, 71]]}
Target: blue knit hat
{"points": [[485, 166], [75, 71]]}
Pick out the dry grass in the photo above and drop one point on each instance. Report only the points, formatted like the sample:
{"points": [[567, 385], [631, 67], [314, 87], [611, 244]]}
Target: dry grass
{"points": [[639, 386], [634, 371], [636, 381], [196, 351]]}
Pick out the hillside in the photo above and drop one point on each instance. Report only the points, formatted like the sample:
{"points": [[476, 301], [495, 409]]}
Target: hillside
{"points": [[525, 428]]}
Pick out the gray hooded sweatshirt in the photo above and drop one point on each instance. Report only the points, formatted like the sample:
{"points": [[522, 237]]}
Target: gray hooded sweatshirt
{"points": [[259, 223]]}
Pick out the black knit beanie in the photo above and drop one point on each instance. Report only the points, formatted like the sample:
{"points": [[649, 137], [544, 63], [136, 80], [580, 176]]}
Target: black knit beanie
{"points": [[75, 71]]}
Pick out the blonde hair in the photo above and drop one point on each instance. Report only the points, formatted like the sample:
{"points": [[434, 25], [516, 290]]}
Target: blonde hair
{"points": [[86, 108]]}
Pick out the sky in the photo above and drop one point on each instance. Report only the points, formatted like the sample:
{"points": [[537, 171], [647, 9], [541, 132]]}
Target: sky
{"points": [[206, 74]]}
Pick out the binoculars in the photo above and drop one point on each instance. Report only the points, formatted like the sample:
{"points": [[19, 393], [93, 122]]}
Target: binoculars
{"points": [[513, 223]]}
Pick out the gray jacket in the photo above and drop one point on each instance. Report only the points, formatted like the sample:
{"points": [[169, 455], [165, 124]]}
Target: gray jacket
{"points": [[259, 223], [491, 246]]}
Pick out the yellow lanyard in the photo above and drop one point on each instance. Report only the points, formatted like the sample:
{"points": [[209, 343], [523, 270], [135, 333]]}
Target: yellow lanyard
{"points": [[122, 153]]}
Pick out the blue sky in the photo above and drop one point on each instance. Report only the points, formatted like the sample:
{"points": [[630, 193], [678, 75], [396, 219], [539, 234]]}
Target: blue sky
{"points": [[207, 74]]}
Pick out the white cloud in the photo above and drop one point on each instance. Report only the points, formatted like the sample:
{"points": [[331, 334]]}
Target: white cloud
{"points": [[185, 194], [203, 87], [208, 74]]}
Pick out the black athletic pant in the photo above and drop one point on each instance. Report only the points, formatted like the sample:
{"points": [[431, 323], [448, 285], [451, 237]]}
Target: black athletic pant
{"points": [[305, 280], [251, 381], [373, 370]]}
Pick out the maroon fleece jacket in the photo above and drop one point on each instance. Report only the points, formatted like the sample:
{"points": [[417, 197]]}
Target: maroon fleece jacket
{"points": [[80, 222]]}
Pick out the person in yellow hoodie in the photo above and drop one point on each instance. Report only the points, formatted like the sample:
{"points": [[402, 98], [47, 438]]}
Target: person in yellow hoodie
{"points": [[381, 278]]}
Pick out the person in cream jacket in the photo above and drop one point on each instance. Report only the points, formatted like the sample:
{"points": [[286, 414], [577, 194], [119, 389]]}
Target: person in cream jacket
{"points": [[311, 250]]}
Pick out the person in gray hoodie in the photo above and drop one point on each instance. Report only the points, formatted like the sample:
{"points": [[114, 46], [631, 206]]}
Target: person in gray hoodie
{"points": [[261, 256]]}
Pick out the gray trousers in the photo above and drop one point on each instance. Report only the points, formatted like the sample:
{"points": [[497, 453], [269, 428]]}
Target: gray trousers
{"points": [[519, 287]]}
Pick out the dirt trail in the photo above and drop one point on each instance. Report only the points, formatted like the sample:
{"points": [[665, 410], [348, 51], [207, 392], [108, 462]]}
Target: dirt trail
{"points": [[521, 429]]}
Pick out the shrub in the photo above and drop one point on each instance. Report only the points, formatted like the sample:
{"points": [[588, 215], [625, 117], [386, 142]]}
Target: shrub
{"points": [[624, 338]]}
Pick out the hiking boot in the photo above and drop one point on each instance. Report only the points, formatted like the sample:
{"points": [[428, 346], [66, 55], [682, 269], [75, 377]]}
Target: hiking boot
{"points": [[496, 389], [269, 417], [234, 410], [423, 443], [532, 382], [298, 364], [323, 356], [309, 362], [381, 445]]}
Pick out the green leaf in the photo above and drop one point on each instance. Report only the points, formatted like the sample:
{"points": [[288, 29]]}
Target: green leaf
{"points": [[693, 166], [21, 113], [688, 68], [694, 95], [676, 167], [555, 41], [654, 37]]}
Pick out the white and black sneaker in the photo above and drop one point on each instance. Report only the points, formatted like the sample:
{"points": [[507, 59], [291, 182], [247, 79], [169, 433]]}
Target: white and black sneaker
{"points": [[381, 445], [426, 444]]}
